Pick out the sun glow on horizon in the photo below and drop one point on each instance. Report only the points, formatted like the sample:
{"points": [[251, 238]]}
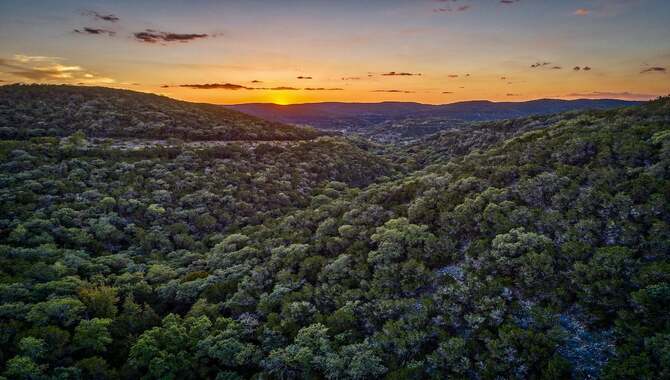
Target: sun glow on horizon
{"points": [[282, 98]]}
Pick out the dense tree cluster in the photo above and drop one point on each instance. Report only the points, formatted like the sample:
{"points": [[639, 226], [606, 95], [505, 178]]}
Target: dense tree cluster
{"points": [[321, 261], [36, 110]]}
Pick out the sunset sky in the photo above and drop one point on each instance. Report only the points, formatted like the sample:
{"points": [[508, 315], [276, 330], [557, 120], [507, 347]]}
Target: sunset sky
{"points": [[308, 51]]}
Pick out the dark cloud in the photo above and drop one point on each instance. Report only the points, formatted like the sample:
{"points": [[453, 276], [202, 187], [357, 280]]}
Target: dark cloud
{"points": [[395, 91], [216, 86], [447, 92], [453, 75], [400, 74], [351, 78], [322, 89], [539, 64], [557, 68], [153, 36], [508, 1], [656, 69], [235, 87], [100, 16], [303, 77], [576, 68], [256, 81], [586, 68], [280, 88], [87, 30], [511, 94], [503, 78]]}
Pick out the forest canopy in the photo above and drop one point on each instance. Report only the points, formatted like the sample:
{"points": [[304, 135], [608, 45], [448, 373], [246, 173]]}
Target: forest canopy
{"points": [[535, 248]]}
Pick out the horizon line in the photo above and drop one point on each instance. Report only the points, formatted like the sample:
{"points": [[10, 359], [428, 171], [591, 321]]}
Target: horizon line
{"points": [[567, 98]]}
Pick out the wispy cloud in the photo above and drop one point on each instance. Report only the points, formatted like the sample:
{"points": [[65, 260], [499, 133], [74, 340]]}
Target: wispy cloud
{"points": [[539, 64], [49, 69], [303, 77], [34, 58], [100, 16], [461, 8], [87, 30]]}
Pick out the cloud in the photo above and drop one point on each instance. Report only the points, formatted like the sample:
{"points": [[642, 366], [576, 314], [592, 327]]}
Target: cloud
{"points": [[576, 68], [508, 1], [351, 78], [49, 69], [608, 8], [655, 69], [556, 68], [322, 89], [449, 8], [452, 75], [28, 58], [87, 30], [100, 16], [235, 87], [216, 86], [539, 64], [447, 92], [303, 77], [256, 81], [511, 94], [153, 36], [400, 74], [606, 94], [280, 88], [461, 8], [395, 91]]}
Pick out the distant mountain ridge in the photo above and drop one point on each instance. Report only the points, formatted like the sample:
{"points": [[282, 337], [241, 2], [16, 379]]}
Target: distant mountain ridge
{"points": [[357, 117]]}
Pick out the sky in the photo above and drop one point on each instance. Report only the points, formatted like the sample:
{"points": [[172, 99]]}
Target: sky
{"points": [[283, 51]]}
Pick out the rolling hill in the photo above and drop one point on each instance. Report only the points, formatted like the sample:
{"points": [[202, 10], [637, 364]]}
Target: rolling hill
{"points": [[362, 117], [47, 110]]}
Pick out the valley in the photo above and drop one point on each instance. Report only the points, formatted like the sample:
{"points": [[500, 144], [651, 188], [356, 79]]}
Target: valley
{"points": [[145, 237]]}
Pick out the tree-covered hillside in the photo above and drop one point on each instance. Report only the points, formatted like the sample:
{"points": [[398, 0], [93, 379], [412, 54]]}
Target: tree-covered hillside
{"points": [[40, 110], [529, 249]]}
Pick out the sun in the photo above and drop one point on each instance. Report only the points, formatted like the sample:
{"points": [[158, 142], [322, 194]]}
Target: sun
{"points": [[282, 98]]}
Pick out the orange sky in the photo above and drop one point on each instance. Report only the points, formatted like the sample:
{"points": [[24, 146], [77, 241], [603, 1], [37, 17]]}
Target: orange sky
{"points": [[309, 51]]}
